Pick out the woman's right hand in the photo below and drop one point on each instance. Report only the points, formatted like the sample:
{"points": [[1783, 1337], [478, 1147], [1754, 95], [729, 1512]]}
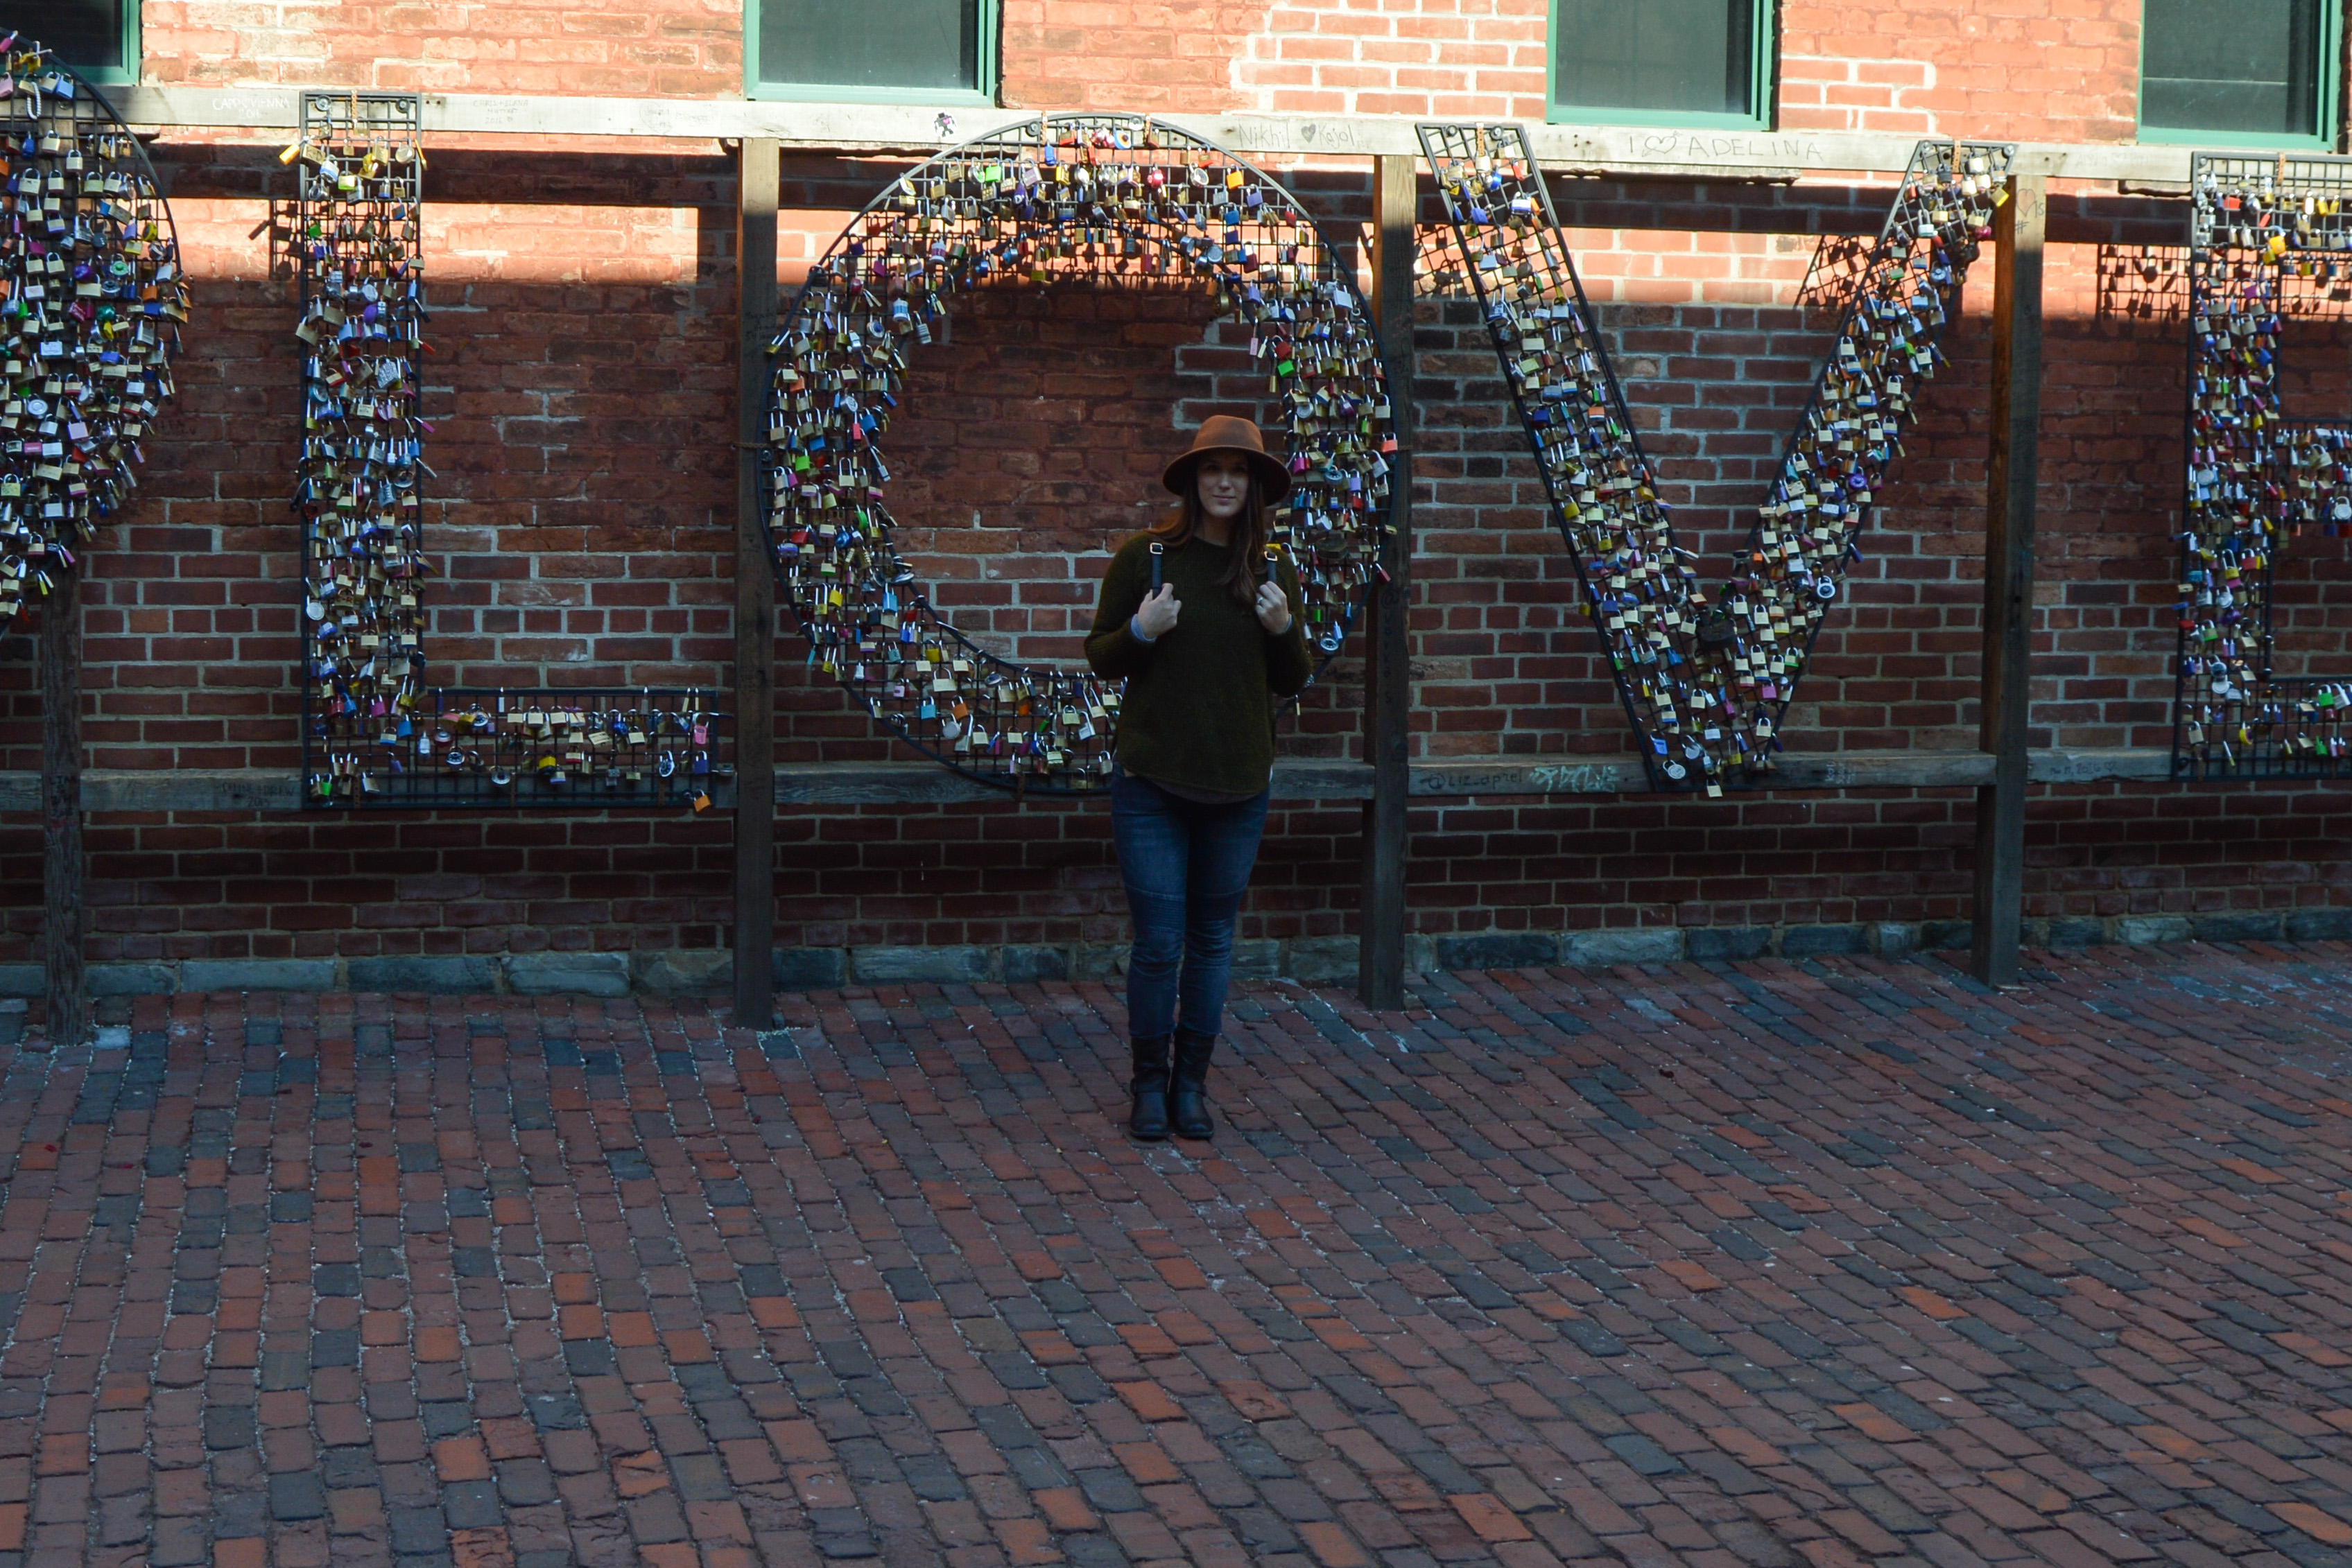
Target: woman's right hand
{"points": [[1158, 614]]}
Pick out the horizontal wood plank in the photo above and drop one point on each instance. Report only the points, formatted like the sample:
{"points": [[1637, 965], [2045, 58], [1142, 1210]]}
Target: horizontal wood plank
{"points": [[891, 783], [1624, 776], [2087, 765], [1542, 776], [918, 128], [913, 783]]}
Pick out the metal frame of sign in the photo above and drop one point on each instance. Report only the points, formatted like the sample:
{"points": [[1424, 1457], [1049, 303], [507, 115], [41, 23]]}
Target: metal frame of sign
{"points": [[2261, 232], [1706, 683], [375, 735], [1100, 197]]}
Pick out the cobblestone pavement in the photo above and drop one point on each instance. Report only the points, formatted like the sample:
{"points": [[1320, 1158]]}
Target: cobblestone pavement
{"points": [[1774, 1264]]}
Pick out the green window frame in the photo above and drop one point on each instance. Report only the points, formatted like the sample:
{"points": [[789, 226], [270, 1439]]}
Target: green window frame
{"points": [[2326, 97], [1763, 47], [982, 90], [16, 15]]}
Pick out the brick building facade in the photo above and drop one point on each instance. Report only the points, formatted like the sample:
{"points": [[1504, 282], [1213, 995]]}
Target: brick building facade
{"points": [[581, 393]]}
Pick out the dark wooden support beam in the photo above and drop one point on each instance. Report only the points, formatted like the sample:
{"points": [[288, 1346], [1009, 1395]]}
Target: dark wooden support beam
{"points": [[274, 791], [1388, 678], [2000, 908], [755, 592], [61, 856]]}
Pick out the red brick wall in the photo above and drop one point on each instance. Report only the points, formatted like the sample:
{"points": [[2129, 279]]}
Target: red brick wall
{"points": [[582, 324], [2034, 69], [2041, 70], [681, 48], [2052, 70]]}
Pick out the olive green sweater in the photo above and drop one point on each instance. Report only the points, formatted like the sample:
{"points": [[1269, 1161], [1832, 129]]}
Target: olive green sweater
{"points": [[1199, 710]]}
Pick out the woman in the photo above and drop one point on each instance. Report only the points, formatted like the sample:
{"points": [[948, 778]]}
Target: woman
{"points": [[1195, 615]]}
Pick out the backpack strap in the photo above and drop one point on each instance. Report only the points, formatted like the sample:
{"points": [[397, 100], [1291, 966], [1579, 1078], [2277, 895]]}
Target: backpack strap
{"points": [[1158, 550]]}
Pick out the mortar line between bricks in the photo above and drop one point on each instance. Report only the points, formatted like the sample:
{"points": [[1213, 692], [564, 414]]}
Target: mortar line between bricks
{"points": [[633, 1467], [34, 1353], [980, 1387], [352, 1494], [400, 1378], [489, 1322], [1162, 1180], [533, 1510], [237, 1465], [594, 1140], [1983, 1341], [1388, 1332], [782, 1331], [738, 1349], [784, 1157], [1022, 1349], [292, 1315], [479, 1522], [785, 1154], [123, 1476], [186, 1538], [173, 1439], [63, 1509]]}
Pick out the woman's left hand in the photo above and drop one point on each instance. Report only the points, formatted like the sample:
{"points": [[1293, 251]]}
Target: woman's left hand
{"points": [[1273, 609]]}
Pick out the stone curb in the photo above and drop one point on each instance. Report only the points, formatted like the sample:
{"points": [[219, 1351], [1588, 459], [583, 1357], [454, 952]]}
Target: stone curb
{"points": [[1317, 960]]}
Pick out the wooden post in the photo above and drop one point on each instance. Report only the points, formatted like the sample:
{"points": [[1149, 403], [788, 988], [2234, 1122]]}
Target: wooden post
{"points": [[755, 592], [61, 856], [1388, 685], [1998, 911]]}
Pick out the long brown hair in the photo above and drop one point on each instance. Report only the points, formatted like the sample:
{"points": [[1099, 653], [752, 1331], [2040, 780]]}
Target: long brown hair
{"points": [[1252, 530]]}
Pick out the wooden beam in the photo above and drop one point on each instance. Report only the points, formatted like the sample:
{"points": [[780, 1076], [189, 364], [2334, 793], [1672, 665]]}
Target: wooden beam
{"points": [[885, 128], [1998, 911], [2099, 765], [1625, 776], [1388, 668], [265, 791], [1911, 769], [62, 892], [270, 790], [916, 783], [755, 591]]}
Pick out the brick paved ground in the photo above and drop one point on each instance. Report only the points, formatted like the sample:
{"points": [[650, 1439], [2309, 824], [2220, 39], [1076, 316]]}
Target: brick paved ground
{"points": [[1776, 1264]]}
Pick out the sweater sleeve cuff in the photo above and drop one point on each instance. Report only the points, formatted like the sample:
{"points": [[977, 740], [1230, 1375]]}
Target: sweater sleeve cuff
{"points": [[1134, 630]]}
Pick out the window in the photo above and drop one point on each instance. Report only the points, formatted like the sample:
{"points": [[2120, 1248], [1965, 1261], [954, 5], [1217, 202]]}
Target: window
{"points": [[902, 51], [1662, 62], [2247, 72], [99, 38]]}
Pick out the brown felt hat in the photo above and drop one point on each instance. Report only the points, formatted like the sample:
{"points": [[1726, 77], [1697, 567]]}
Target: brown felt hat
{"points": [[1226, 433]]}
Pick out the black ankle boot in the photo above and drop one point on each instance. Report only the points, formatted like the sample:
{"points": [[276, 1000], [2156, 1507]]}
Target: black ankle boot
{"points": [[1187, 1085], [1148, 1118]]}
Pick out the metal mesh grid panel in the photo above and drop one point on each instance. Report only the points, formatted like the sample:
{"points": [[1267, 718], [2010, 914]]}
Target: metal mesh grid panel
{"points": [[375, 734], [571, 749], [2270, 239], [1706, 682], [1105, 197]]}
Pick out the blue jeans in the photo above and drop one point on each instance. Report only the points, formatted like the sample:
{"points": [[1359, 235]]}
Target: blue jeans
{"points": [[1186, 866]]}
